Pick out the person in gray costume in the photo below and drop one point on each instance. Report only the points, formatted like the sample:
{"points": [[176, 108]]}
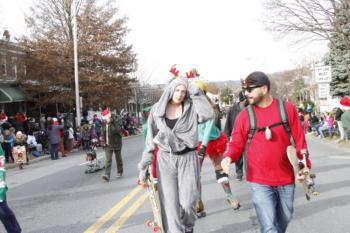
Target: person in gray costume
{"points": [[172, 126]]}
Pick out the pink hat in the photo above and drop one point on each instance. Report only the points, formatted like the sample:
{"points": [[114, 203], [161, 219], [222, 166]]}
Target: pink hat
{"points": [[345, 101]]}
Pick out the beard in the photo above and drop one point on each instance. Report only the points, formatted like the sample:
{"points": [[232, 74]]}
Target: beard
{"points": [[256, 100]]}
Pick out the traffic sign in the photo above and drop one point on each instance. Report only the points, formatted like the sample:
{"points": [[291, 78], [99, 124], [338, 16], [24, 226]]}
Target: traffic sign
{"points": [[323, 74]]}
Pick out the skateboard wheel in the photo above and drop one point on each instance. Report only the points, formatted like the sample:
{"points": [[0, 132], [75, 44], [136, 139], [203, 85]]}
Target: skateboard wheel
{"points": [[155, 229], [149, 223]]}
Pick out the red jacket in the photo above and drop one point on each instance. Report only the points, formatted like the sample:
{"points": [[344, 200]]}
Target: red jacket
{"points": [[267, 161]]}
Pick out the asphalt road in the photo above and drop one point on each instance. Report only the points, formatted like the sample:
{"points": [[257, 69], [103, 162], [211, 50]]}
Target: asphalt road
{"points": [[58, 197]]}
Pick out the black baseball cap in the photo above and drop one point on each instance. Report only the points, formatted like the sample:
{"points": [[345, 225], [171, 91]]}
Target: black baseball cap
{"points": [[256, 78]]}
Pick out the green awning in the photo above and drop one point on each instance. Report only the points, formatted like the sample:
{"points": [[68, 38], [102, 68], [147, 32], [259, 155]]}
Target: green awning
{"points": [[9, 94]]}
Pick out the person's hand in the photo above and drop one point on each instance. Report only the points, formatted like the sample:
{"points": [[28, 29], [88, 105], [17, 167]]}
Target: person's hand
{"points": [[301, 176], [142, 174], [142, 177], [225, 164], [201, 152]]}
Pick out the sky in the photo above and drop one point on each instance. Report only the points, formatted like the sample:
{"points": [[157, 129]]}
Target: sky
{"points": [[222, 39]]}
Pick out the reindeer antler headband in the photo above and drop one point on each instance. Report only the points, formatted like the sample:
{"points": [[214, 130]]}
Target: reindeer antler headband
{"points": [[193, 73]]}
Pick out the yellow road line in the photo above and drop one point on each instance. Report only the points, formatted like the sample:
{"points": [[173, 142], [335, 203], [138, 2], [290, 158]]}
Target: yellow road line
{"points": [[115, 227], [102, 220]]}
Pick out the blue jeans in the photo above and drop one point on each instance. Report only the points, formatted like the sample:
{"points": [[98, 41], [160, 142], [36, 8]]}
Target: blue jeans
{"points": [[273, 206], [54, 151]]}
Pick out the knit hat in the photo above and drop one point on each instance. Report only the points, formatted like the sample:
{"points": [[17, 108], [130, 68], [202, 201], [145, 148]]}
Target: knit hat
{"points": [[201, 85], [256, 78]]}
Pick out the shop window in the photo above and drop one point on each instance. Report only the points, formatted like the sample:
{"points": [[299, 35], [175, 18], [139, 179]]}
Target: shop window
{"points": [[3, 67]]}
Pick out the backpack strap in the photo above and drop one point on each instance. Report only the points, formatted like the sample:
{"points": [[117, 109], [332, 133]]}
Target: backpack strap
{"points": [[252, 129], [284, 118]]}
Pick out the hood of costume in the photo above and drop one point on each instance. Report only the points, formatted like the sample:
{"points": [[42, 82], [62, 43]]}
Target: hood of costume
{"points": [[196, 109]]}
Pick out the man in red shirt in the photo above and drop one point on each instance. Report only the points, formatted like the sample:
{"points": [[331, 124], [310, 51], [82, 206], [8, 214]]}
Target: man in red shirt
{"points": [[268, 171]]}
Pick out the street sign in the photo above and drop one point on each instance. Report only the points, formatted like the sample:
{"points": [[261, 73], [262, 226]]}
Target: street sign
{"points": [[323, 90], [323, 74]]}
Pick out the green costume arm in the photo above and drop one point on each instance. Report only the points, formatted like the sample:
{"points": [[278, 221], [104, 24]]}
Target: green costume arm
{"points": [[3, 185]]}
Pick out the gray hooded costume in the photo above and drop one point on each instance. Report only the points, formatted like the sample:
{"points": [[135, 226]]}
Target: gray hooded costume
{"points": [[177, 172]]}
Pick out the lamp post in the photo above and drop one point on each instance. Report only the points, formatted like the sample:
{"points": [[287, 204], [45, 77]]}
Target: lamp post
{"points": [[76, 77]]}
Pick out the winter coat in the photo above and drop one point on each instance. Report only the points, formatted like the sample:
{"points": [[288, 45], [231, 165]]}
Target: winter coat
{"points": [[54, 133], [114, 134], [345, 120]]}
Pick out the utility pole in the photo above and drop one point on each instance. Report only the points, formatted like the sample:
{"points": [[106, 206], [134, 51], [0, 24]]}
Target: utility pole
{"points": [[76, 77]]}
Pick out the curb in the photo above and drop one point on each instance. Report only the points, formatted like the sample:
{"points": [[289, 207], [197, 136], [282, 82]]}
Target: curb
{"points": [[14, 165], [333, 142], [44, 157]]}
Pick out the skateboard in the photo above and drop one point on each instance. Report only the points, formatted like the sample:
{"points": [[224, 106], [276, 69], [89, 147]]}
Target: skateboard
{"points": [[151, 186], [300, 166]]}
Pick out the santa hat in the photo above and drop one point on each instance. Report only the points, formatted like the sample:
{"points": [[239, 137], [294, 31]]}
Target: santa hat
{"points": [[106, 114], [345, 101], [3, 117]]}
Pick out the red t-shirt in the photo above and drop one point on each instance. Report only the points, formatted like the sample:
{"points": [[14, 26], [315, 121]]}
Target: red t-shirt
{"points": [[267, 161]]}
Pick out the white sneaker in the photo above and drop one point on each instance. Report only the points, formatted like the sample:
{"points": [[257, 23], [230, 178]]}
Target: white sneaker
{"points": [[119, 174]]}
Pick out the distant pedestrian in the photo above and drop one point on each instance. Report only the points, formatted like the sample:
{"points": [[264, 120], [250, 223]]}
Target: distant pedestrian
{"points": [[7, 145], [98, 126], [345, 117], [54, 136], [70, 138], [230, 120], [85, 136], [112, 143], [42, 122]]}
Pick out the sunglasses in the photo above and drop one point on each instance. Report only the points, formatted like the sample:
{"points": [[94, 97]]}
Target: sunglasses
{"points": [[250, 89]]}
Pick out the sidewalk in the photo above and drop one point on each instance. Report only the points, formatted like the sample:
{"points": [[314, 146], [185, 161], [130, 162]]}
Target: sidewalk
{"points": [[333, 141], [33, 159]]}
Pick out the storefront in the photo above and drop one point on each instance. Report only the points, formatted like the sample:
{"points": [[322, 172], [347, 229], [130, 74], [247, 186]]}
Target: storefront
{"points": [[12, 99]]}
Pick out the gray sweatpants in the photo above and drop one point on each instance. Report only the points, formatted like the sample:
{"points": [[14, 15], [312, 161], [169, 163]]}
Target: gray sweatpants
{"points": [[178, 182]]}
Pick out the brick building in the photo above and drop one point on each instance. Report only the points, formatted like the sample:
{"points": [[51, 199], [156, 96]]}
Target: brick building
{"points": [[12, 97]]}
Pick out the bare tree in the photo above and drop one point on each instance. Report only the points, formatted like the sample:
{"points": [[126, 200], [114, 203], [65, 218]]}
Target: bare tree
{"points": [[313, 20]]}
